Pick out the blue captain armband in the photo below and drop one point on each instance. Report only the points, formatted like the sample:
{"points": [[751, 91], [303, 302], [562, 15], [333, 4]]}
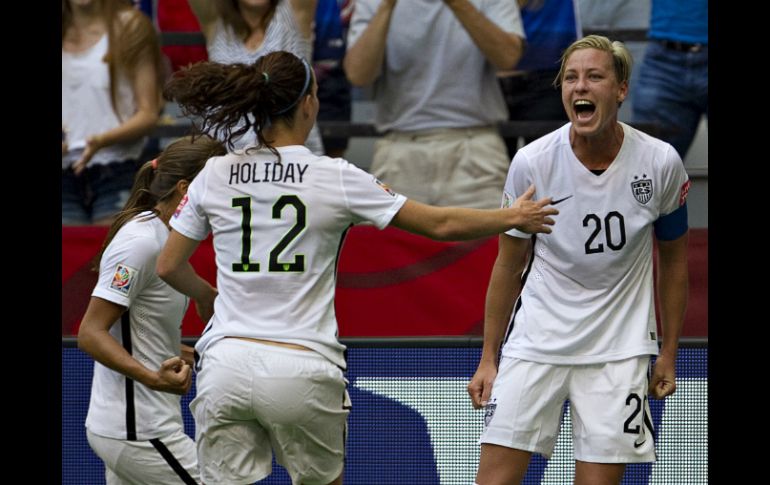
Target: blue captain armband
{"points": [[673, 225]]}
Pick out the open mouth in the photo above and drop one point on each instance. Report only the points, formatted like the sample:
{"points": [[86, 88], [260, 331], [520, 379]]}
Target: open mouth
{"points": [[584, 109]]}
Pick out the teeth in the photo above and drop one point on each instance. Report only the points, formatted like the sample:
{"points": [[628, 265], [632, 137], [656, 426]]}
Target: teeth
{"points": [[583, 102]]}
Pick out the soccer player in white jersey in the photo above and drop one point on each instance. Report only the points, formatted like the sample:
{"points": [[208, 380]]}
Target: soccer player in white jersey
{"points": [[574, 310], [270, 369], [132, 330]]}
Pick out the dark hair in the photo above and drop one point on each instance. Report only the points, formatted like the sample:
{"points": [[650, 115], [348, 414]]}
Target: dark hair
{"points": [[181, 160], [230, 13], [131, 39], [231, 99]]}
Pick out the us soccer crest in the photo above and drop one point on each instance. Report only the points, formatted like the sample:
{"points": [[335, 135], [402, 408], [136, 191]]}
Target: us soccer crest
{"points": [[642, 189], [489, 411]]}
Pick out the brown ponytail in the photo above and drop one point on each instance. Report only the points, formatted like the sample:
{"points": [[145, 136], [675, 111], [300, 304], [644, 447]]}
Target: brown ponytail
{"points": [[224, 96], [181, 160]]}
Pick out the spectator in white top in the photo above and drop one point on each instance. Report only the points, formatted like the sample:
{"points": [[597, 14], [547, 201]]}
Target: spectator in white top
{"points": [[245, 30], [111, 100], [433, 68]]}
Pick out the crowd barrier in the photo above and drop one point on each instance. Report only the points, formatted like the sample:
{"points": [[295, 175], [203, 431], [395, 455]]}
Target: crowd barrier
{"points": [[412, 422], [390, 283]]}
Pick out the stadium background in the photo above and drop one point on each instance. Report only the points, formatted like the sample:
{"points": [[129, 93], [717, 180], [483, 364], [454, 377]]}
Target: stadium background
{"points": [[409, 309]]}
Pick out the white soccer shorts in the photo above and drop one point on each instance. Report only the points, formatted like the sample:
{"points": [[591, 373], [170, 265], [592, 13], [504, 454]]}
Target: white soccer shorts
{"points": [[255, 400], [611, 419], [169, 460]]}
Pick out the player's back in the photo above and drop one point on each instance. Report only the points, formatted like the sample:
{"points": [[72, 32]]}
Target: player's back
{"points": [[278, 228]]}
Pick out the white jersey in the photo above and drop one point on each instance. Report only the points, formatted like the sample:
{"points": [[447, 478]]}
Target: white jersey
{"points": [[587, 295], [150, 331], [278, 229]]}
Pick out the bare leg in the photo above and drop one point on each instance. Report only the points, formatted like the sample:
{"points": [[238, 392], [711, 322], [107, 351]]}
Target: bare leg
{"points": [[598, 473], [500, 465]]}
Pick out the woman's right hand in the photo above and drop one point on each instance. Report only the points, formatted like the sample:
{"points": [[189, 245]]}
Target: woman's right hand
{"points": [[174, 376], [534, 213]]}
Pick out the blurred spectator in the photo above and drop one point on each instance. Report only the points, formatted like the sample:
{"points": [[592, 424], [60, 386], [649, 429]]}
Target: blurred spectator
{"points": [[613, 14], [433, 66], [146, 6], [551, 26], [673, 88], [111, 77], [242, 31], [176, 16], [332, 19]]}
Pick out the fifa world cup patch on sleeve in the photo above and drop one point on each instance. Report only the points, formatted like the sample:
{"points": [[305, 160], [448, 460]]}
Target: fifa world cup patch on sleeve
{"points": [[384, 186], [507, 200], [683, 192], [181, 205], [123, 279]]}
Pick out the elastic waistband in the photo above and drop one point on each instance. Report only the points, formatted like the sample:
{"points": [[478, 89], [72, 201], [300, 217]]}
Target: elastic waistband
{"points": [[279, 349]]}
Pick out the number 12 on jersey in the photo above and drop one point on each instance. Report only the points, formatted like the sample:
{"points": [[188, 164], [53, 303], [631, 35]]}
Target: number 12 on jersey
{"points": [[300, 214]]}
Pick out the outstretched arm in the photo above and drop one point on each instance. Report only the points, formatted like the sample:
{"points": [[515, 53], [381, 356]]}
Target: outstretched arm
{"points": [[458, 223], [174, 375], [672, 297], [206, 13], [363, 60], [174, 268], [502, 49], [504, 288]]}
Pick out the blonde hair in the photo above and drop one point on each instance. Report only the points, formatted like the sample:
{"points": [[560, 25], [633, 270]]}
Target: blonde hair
{"points": [[621, 57]]}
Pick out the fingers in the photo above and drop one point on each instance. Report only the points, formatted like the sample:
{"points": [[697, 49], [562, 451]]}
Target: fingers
{"points": [[182, 380], [527, 195], [172, 363], [663, 389], [486, 394], [480, 392], [188, 380], [550, 211], [176, 374], [474, 391]]}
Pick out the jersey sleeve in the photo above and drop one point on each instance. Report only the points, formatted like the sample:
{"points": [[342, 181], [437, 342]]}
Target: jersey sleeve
{"points": [[675, 181], [127, 265], [516, 183], [189, 219], [672, 222], [367, 198]]}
